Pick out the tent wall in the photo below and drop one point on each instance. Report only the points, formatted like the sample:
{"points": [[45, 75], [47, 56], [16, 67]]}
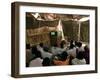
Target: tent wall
{"points": [[70, 29], [85, 31]]}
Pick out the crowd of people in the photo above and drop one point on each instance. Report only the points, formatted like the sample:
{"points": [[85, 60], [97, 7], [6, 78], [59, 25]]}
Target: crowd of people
{"points": [[72, 54]]}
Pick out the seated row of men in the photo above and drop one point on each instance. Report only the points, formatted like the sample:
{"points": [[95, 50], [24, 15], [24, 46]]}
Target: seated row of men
{"points": [[40, 55]]}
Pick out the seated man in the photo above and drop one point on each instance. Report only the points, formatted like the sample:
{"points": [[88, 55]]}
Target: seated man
{"points": [[56, 50], [62, 60], [29, 54], [37, 61], [46, 62], [87, 54], [72, 52], [40, 47], [46, 53], [79, 59], [80, 47]]}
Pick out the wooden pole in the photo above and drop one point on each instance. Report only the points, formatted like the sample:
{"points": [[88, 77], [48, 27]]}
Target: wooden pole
{"points": [[79, 31]]}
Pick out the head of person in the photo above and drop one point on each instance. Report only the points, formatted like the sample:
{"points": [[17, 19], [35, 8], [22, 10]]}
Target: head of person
{"points": [[27, 46], [86, 48], [63, 56], [55, 45], [34, 49], [76, 43], [63, 44], [38, 54], [71, 46], [79, 44], [80, 55], [71, 42], [41, 45], [46, 62]]}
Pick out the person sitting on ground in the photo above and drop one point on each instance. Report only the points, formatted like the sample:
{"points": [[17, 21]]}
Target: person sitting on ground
{"points": [[40, 47], [46, 53], [55, 49], [72, 51], [71, 44], [79, 59], [34, 50], [76, 44], [80, 47], [62, 60], [63, 46], [37, 60], [29, 55], [46, 62], [86, 54]]}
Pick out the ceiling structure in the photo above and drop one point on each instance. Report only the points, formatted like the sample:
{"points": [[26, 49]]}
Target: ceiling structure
{"points": [[52, 16], [49, 19]]}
